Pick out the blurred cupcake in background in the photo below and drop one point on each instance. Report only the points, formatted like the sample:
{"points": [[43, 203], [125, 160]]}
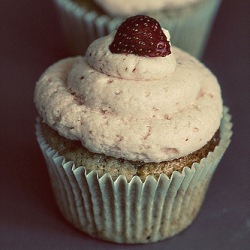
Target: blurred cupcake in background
{"points": [[189, 21]]}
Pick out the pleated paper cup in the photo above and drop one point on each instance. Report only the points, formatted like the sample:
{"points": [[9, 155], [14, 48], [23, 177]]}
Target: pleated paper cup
{"points": [[80, 26], [135, 211], [189, 27]]}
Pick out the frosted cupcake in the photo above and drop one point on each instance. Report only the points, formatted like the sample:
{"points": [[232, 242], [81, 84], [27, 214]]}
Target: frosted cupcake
{"points": [[132, 133], [189, 21]]}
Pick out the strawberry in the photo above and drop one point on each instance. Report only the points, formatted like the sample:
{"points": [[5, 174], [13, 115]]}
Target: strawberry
{"points": [[140, 35]]}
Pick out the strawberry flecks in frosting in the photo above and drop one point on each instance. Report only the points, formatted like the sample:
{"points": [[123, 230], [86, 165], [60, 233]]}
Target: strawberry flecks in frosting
{"points": [[132, 7], [166, 108], [128, 66]]}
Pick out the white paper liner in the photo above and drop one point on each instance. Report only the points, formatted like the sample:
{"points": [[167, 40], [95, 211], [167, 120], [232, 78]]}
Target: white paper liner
{"points": [[134, 212], [189, 31]]}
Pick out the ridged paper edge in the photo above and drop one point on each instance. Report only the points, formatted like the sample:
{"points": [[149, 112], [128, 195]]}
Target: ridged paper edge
{"points": [[135, 211], [81, 26]]}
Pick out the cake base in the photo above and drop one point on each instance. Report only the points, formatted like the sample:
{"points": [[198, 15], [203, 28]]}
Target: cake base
{"points": [[132, 211], [102, 164]]}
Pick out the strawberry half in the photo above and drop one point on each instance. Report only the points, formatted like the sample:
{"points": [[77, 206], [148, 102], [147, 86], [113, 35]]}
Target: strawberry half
{"points": [[140, 35]]}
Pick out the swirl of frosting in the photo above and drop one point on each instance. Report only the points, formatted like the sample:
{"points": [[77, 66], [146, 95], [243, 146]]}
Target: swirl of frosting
{"points": [[129, 67], [132, 7], [127, 113]]}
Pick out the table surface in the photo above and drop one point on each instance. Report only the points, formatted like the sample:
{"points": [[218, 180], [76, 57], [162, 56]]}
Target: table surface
{"points": [[31, 41]]}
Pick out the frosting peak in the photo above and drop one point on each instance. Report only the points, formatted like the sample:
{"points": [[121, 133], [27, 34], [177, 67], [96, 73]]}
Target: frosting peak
{"points": [[128, 66]]}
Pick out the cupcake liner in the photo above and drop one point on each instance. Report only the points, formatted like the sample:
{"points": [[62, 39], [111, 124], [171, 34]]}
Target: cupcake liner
{"points": [[80, 27], [189, 28], [135, 211]]}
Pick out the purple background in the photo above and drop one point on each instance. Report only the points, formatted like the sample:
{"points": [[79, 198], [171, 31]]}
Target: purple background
{"points": [[29, 219]]}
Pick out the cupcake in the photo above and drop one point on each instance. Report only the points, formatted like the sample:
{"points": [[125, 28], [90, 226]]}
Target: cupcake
{"points": [[131, 133], [189, 21]]}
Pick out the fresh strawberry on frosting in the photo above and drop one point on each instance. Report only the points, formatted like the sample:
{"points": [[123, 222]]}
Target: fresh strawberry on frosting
{"points": [[140, 35]]}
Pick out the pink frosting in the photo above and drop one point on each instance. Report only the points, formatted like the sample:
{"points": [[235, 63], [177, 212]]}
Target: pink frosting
{"points": [[136, 108]]}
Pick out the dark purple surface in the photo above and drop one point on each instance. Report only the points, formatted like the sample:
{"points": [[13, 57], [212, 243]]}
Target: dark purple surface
{"points": [[29, 219]]}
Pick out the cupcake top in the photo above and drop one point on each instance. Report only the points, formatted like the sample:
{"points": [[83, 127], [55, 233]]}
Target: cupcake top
{"points": [[128, 100], [131, 7]]}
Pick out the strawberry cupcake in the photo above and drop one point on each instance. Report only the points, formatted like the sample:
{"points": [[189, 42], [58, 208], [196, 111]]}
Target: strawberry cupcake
{"points": [[189, 21], [131, 133]]}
